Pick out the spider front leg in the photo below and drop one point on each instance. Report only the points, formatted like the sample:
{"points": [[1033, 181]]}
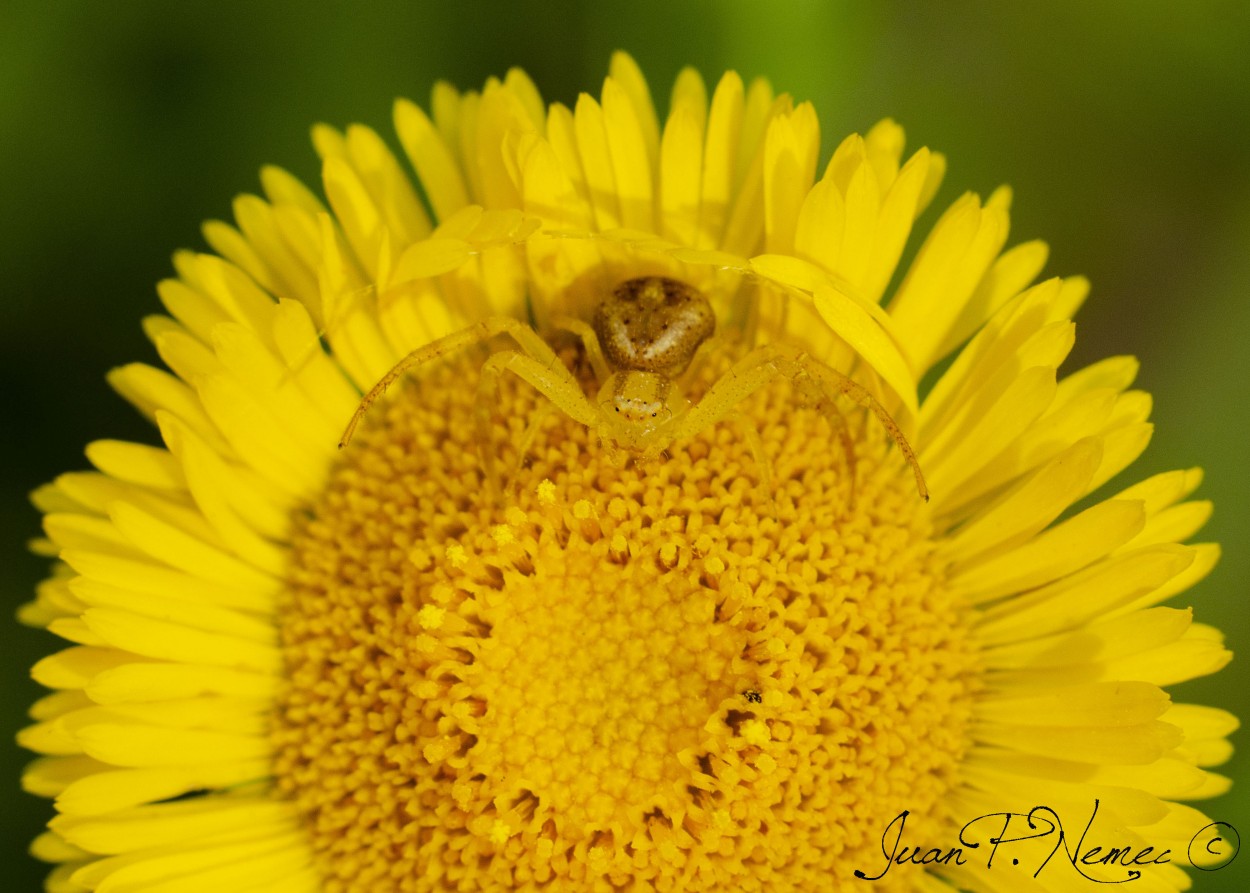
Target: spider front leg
{"points": [[747, 376], [836, 383], [590, 342], [756, 444], [488, 328], [771, 361], [754, 371], [825, 404], [555, 383]]}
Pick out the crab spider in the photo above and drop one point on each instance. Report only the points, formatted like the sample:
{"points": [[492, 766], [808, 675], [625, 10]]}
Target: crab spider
{"points": [[643, 336]]}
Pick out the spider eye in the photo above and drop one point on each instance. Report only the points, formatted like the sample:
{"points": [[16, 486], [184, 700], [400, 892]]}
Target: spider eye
{"points": [[653, 415]]}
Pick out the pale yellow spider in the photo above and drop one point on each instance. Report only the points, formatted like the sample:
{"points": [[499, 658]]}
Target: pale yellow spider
{"points": [[644, 335]]}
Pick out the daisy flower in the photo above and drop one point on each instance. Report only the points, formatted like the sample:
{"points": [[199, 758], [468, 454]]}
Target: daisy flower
{"points": [[506, 641]]}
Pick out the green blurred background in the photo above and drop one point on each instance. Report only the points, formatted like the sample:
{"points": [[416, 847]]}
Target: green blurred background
{"points": [[1123, 126]]}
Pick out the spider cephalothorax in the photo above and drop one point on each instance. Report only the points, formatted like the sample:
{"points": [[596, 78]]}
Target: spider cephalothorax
{"points": [[644, 335]]}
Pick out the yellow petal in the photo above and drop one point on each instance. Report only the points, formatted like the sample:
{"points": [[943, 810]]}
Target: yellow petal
{"points": [[690, 94], [296, 465], [151, 389], [355, 212], [270, 859], [853, 324], [1173, 525], [562, 140], [1011, 274], [1074, 600], [1102, 640], [433, 160], [1187, 658], [74, 531], [1206, 555], [164, 823], [744, 230], [231, 244], [681, 171], [899, 208], [284, 272], [1029, 507], [760, 107], [821, 222], [863, 207], [76, 667], [1061, 550], [72, 629], [433, 257], [169, 606], [174, 641], [132, 746], [1100, 704], [791, 145], [1201, 722], [883, 149], [212, 486], [724, 128], [596, 158], [136, 463], [1163, 490], [526, 92], [136, 679], [1130, 745], [58, 703], [950, 460], [281, 187], [947, 270], [51, 847], [993, 350], [500, 112], [157, 581], [52, 738], [624, 72], [106, 792], [186, 355], [229, 287], [1121, 447], [254, 365], [166, 543], [296, 339], [49, 776], [388, 186]]}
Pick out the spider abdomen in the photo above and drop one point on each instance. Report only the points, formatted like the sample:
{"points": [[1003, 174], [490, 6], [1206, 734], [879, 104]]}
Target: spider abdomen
{"points": [[653, 324]]}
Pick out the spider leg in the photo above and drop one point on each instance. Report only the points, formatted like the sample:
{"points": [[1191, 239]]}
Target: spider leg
{"points": [[715, 343], [837, 424], [531, 433], [589, 340], [742, 380], [554, 383], [488, 328], [756, 443], [766, 363], [837, 383], [747, 376]]}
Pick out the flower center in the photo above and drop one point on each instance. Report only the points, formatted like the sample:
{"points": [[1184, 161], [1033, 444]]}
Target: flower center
{"points": [[618, 672]]}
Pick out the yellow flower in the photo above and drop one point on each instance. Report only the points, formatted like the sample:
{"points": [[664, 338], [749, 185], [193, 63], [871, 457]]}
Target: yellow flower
{"points": [[494, 647]]}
